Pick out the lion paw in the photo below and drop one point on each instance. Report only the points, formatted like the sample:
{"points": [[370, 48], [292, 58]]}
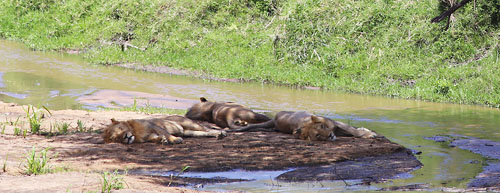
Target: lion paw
{"points": [[221, 135], [367, 133], [176, 140], [164, 140]]}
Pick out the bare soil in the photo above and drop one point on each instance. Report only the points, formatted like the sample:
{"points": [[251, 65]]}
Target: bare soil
{"points": [[84, 155]]}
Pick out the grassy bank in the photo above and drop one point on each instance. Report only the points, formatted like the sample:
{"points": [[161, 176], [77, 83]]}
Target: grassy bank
{"points": [[371, 47]]}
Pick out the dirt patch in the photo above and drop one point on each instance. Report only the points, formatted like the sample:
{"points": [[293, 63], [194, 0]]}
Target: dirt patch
{"points": [[85, 152], [118, 98]]}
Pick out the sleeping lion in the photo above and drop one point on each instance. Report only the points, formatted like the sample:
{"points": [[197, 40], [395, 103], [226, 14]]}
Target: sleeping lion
{"points": [[310, 127], [168, 130], [224, 114]]}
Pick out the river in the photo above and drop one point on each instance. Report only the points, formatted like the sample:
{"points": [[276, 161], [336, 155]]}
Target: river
{"points": [[60, 81]]}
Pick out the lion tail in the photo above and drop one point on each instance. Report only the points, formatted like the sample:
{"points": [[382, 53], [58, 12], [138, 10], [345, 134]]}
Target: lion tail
{"points": [[267, 124]]}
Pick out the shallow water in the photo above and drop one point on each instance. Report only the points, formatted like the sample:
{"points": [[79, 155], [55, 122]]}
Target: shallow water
{"points": [[61, 81]]}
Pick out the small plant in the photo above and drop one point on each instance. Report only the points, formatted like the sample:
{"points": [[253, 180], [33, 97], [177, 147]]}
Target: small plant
{"points": [[178, 174], [34, 117], [112, 181], [3, 129], [37, 164], [24, 133], [134, 106], [4, 168], [81, 127], [62, 128], [17, 131], [12, 123]]}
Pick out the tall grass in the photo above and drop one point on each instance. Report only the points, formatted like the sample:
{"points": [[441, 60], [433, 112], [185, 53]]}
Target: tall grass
{"points": [[374, 47]]}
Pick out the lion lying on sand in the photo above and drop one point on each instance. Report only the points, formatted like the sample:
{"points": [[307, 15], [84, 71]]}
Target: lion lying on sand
{"points": [[310, 127], [224, 114], [163, 130]]}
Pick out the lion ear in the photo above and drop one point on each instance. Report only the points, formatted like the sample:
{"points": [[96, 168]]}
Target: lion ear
{"points": [[316, 119], [203, 99], [114, 121]]}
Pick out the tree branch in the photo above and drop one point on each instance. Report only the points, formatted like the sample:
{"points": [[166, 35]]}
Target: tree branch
{"points": [[450, 11]]}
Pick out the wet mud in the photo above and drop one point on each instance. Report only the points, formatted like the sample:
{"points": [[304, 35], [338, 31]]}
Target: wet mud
{"points": [[369, 169]]}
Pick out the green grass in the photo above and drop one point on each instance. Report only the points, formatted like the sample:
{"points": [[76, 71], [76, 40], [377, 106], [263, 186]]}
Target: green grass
{"points": [[112, 181], [81, 126], [379, 47], [62, 128], [37, 164], [17, 131], [35, 116]]}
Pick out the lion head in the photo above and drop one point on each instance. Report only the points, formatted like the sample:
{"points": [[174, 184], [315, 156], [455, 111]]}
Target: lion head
{"points": [[317, 129], [201, 111], [118, 131]]}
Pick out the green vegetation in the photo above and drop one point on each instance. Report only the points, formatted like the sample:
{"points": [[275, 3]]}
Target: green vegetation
{"points": [[37, 164], [372, 47], [81, 126], [112, 181], [62, 128], [17, 131], [34, 117]]}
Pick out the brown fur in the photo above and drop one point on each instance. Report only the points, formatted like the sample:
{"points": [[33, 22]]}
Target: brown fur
{"points": [[164, 130], [310, 127], [224, 114]]}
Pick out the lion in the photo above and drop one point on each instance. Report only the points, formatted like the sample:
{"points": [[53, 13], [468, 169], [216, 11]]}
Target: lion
{"points": [[225, 114], [168, 130], [307, 126]]}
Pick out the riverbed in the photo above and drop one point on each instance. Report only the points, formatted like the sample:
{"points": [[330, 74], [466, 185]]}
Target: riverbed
{"points": [[63, 81]]}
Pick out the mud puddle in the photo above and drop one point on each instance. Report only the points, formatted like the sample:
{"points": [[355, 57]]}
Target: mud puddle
{"points": [[351, 175], [255, 181]]}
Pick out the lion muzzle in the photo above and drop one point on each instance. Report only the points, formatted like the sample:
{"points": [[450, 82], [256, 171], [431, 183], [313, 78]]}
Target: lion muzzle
{"points": [[128, 138], [332, 137]]}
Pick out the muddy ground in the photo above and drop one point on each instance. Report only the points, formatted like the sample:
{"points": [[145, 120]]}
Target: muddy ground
{"points": [[83, 155]]}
